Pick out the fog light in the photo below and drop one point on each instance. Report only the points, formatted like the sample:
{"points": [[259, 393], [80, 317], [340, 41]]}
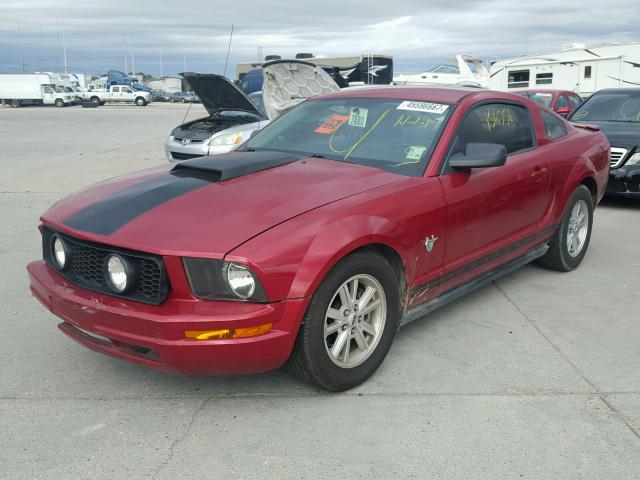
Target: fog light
{"points": [[117, 273], [225, 333], [59, 253]]}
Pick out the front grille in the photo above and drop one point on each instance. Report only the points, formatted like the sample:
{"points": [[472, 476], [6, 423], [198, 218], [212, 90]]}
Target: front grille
{"points": [[617, 156], [189, 140], [86, 268], [184, 156]]}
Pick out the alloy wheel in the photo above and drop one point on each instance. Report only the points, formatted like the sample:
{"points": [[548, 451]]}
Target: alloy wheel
{"points": [[354, 321], [577, 228]]}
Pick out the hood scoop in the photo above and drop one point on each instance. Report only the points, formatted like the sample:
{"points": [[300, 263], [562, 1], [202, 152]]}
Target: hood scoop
{"points": [[222, 167]]}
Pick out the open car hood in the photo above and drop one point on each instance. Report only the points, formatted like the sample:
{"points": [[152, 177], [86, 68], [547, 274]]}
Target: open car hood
{"points": [[218, 93], [289, 82]]}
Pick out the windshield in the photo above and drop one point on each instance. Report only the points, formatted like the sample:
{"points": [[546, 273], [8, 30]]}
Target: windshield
{"points": [[59, 89], [256, 99], [394, 135], [540, 97], [443, 68], [610, 106]]}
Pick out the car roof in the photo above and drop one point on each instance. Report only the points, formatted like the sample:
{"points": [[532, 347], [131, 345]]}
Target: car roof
{"points": [[618, 90], [430, 94], [544, 90]]}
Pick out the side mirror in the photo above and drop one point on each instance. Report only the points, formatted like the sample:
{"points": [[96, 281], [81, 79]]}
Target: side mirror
{"points": [[479, 155], [562, 111]]}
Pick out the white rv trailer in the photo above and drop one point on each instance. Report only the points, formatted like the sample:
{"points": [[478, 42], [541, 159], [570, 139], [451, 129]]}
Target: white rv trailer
{"points": [[583, 69], [469, 71]]}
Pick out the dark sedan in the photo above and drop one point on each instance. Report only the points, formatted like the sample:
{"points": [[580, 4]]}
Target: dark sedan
{"points": [[185, 97], [617, 113]]}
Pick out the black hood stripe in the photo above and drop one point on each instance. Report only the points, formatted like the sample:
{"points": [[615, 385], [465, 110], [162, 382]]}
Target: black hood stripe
{"points": [[108, 215]]}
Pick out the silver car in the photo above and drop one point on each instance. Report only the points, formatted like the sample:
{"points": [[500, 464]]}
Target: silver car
{"points": [[234, 116]]}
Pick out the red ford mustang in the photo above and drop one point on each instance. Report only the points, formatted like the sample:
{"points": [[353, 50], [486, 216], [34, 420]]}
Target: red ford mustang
{"points": [[352, 214]]}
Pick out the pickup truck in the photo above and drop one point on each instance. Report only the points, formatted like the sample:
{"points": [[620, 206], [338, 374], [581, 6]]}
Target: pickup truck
{"points": [[119, 94]]}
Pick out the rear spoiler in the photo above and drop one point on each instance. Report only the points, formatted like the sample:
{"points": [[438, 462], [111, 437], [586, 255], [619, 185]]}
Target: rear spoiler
{"points": [[586, 126]]}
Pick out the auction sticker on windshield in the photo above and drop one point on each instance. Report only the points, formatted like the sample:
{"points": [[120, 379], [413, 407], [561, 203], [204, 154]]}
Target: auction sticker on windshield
{"points": [[423, 106], [358, 117]]}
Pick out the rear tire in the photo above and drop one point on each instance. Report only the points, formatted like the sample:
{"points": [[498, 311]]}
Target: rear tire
{"points": [[95, 100], [569, 245], [16, 103], [341, 343]]}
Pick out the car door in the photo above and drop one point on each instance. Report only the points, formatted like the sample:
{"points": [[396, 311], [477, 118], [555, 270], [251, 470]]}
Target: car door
{"points": [[492, 211], [115, 94], [47, 95], [127, 94]]}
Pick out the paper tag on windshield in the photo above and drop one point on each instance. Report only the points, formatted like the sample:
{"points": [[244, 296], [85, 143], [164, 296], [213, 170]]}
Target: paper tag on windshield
{"points": [[331, 124], [415, 152], [358, 117], [423, 106]]}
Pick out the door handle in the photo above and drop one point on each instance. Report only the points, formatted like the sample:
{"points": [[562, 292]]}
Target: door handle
{"points": [[539, 172]]}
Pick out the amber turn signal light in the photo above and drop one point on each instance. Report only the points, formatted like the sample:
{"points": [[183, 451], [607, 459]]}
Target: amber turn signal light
{"points": [[226, 333]]}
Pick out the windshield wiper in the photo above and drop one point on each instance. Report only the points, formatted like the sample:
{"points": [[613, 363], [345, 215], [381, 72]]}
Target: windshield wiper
{"points": [[316, 155]]}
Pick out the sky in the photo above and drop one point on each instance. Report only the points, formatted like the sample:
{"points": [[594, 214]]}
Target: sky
{"points": [[164, 37]]}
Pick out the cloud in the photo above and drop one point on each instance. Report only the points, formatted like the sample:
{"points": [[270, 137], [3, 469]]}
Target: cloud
{"points": [[417, 33]]}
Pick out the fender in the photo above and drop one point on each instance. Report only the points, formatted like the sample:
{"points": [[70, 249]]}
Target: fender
{"points": [[337, 240], [316, 241], [594, 165], [311, 253]]}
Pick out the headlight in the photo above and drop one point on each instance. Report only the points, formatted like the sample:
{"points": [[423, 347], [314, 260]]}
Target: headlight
{"points": [[240, 280], [634, 160], [227, 139], [218, 280], [118, 273], [59, 251]]}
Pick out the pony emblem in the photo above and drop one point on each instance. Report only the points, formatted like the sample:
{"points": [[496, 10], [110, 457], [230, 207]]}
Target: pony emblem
{"points": [[429, 242]]}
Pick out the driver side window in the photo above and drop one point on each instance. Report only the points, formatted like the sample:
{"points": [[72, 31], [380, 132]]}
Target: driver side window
{"points": [[502, 123]]}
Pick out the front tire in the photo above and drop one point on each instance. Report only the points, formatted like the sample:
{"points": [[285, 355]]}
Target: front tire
{"points": [[349, 325], [140, 102], [59, 103], [569, 245]]}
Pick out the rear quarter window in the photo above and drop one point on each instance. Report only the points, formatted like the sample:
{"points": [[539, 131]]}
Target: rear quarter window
{"points": [[553, 126]]}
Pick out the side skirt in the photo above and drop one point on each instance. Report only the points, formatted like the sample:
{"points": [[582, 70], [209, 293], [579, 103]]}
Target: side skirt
{"points": [[428, 307]]}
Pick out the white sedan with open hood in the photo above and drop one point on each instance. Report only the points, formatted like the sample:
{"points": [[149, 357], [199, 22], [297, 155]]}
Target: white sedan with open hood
{"points": [[234, 116]]}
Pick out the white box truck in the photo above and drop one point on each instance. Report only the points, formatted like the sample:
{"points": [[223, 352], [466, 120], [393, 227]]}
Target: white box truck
{"points": [[17, 89]]}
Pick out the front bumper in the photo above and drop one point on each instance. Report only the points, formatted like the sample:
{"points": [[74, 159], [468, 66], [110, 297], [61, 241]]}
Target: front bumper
{"points": [[624, 181], [176, 151], [154, 335]]}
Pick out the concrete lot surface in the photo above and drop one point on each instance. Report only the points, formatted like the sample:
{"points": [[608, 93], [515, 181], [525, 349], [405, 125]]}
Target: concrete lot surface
{"points": [[536, 376]]}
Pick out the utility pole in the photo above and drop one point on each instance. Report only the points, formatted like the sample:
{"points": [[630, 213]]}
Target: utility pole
{"points": [[184, 62], [126, 64], [133, 61], [41, 49], [228, 51], [20, 48], [161, 74], [64, 50]]}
